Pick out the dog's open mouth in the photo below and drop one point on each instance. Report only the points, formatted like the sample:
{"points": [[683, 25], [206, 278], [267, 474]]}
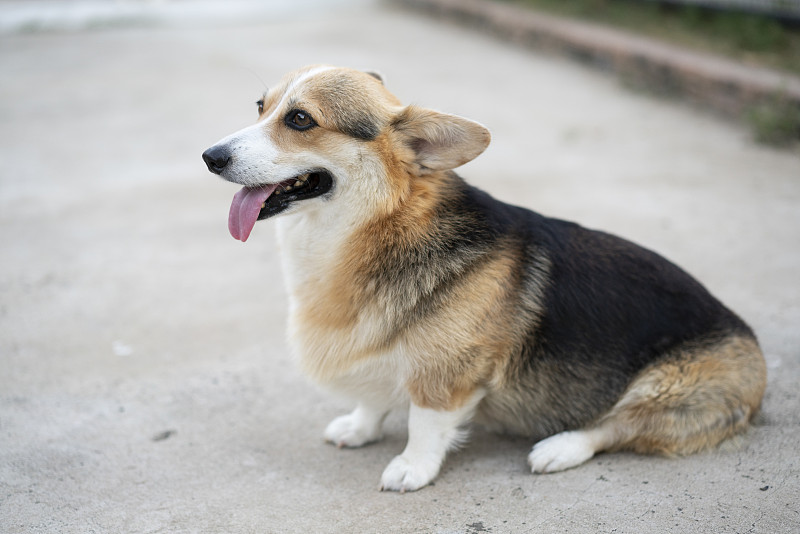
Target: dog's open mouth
{"points": [[252, 204]]}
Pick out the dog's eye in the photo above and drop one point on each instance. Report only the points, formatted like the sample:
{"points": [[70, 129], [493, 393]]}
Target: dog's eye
{"points": [[299, 120], [260, 104]]}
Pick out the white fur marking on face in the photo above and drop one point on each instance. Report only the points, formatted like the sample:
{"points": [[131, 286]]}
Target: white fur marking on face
{"points": [[253, 153], [301, 80], [287, 93]]}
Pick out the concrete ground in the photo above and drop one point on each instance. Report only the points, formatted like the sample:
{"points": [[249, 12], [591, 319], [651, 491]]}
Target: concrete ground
{"points": [[145, 385]]}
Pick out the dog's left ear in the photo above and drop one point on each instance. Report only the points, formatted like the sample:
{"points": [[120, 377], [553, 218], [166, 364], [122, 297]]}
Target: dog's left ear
{"points": [[440, 141]]}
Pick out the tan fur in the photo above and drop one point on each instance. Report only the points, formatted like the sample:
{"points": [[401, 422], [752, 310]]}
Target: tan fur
{"points": [[344, 297], [691, 402], [439, 144], [385, 307], [466, 345]]}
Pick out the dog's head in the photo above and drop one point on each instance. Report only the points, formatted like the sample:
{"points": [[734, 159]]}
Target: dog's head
{"points": [[327, 133]]}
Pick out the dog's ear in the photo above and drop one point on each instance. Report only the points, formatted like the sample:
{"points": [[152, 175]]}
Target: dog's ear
{"points": [[439, 141], [377, 75]]}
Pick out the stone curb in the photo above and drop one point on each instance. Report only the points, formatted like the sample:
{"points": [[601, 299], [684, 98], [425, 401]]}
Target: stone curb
{"points": [[708, 80]]}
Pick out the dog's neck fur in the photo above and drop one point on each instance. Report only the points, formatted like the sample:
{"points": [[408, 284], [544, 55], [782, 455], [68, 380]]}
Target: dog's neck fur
{"points": [[319, 252]]}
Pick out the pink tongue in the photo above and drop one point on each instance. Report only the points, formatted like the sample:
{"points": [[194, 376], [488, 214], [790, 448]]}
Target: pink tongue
{"points": [[244, 209]]}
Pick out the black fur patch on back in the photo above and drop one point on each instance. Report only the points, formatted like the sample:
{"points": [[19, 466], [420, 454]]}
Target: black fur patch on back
{"points": [[606, 308], [612, 300]]}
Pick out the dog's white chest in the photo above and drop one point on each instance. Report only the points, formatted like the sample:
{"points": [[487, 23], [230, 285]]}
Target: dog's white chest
{"points": [[332, 352]]}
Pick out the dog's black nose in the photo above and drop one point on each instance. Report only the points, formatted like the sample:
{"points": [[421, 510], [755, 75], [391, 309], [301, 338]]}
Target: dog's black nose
{"points": [[216, 158]]}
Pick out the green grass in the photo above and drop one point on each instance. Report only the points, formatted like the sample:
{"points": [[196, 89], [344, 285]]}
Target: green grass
{"points": [[775, 122], [751, 39]]}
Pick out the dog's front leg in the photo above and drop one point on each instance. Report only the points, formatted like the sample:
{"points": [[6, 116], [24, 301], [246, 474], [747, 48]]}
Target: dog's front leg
{"points": [[431, 433], [363, 425]]}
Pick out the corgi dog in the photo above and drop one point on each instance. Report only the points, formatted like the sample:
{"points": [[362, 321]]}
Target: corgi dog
{"points": [[409, 288]]}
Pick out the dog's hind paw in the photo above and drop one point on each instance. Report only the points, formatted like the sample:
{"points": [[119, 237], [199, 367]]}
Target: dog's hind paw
{"points": [[352, 430], [402, 475], [560, 452]]}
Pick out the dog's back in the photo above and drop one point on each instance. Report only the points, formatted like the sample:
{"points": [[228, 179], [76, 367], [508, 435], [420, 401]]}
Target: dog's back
{"points": [[611, 313], [578, 317], [565, 327]]}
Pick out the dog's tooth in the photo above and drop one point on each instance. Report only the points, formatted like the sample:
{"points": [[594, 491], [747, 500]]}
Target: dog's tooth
{"points": [[277, 192], [298, 182], [263, 205]]}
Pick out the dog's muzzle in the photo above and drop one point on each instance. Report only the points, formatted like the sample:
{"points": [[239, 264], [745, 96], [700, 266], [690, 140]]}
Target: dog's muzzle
{"points": [[217, 158]]}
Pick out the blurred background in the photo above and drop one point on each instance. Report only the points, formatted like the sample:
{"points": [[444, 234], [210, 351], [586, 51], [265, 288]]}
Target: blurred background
{"points": [[145, 384]]}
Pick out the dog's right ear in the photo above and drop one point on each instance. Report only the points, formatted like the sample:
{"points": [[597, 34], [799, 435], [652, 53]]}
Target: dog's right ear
{"points": [[377, 75], [439, 141]]}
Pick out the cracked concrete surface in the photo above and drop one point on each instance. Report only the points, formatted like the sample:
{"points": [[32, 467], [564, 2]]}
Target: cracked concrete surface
{"points": [[145, 385]]}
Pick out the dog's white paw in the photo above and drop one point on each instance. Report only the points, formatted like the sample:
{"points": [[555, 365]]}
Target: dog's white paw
{"points": [[404, 475], [560, 452], [351, 430]]}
